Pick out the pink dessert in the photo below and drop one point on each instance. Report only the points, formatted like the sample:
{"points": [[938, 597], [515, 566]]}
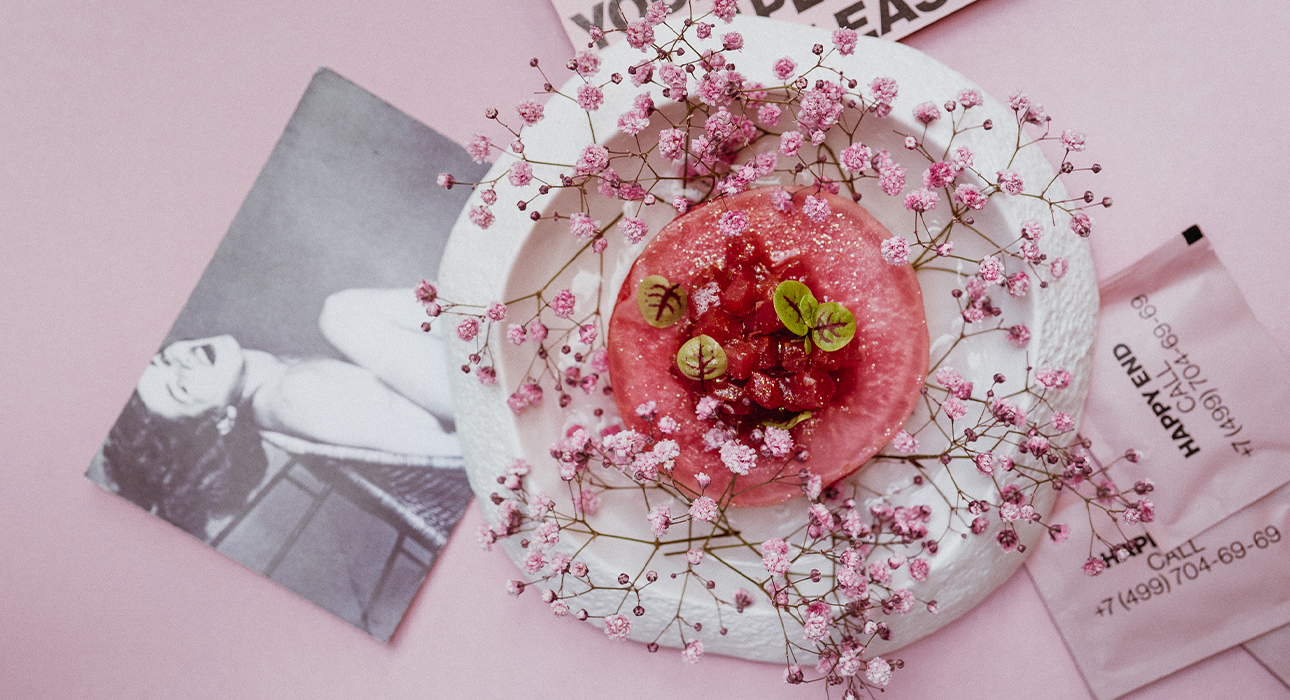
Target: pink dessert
{"points": [[841, 404]]}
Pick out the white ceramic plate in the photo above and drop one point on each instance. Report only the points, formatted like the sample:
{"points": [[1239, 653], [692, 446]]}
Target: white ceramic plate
{"points": [[515, 256]]}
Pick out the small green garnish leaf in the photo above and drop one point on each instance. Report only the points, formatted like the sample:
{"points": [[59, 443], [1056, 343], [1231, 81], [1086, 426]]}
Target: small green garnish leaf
{"points": [[788, 424], [701, 358], [795, 305], [661, 302], [833, 326]]}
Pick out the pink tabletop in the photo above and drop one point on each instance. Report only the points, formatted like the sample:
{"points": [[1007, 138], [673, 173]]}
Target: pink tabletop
{"points": [[130, 133]]}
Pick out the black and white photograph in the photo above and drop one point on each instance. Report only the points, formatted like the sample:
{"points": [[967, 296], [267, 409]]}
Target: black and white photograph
{"points": [[296, 417]]}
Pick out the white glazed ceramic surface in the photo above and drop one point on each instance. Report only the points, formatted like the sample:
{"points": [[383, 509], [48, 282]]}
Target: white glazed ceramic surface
{"points": [[515, 256]]}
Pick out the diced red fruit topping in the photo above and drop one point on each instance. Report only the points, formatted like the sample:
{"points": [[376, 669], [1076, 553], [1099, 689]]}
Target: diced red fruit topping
{"points": [[766, 391], [763, 320], [770, 375], [809, 390], [741, 359], [792, 356], [766, 350], [719, 324], [739, 295]]}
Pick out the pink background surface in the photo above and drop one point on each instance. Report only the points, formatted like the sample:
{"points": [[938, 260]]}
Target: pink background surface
{"points": [[130, 133]]}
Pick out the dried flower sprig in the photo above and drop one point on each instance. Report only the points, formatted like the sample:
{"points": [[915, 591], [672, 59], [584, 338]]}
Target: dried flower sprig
{"points": [[835, 579]]}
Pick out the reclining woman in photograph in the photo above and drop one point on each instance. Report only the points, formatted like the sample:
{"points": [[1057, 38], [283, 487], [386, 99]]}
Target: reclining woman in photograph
{"points": [[187, 446]]}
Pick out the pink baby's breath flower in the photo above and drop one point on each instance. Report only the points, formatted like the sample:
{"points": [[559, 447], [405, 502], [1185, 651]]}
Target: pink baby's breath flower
{"points": [[489, 196], [534, 562], [970, 196], [732, 41], [784, 68], [706, 408], [1062, 421], [782, 200], [640, 34], [426, 292], [1018, 284], [1019, 335], [855, 158], [895, 251], [633, 122], [1059, 533], [778, 441], [468, 328], [562, 304], [985, 463], [733, 223], [446, 180], [617, 627], [705, 509], [713, 89], [667, 425], [816, 209], [1081, 224], [961, 159], [594, 158], [901, 601], [590, 97], [1054, 377], [521, 173], [537, 331], [1059, 268], [921, 200], [845, 41], [904, 442], [694, 556], [990, 270], [884, 91], [496, 311], [968, 99], [919, 569], [819, 618], [633, 229], [954, 408], [582, 225], [586, 63], [656, 13], [725, 9], [588, 333], [927, 112], [1007, 539], [738, 458], [516, 334], [531, 112], [478, 148], [789, 142], [892, 179], [878, 672], [671, 144], [481, 216], [1008, 412], [775, 556], [769, 114], [1032, 230], [1094, 566], [938, 175], [1037, 445], [1010, 182], [692, 652], [660, 519], [1073, 140]]}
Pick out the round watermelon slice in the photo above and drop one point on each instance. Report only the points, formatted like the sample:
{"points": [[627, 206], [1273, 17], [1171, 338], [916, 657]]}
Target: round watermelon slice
{"points": [[841, 406]]}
